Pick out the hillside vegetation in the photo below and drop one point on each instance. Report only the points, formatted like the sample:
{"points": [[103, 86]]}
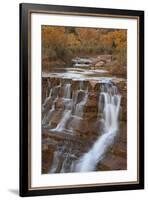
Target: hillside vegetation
{"points": [[61, 44]]}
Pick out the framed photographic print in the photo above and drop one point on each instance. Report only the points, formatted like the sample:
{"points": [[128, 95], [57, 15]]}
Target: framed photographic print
{"points": [[81, 99]]}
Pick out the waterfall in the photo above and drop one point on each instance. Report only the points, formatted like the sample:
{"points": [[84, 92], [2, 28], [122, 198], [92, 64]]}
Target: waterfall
{"points": [[53, 94], [47, 99], [50, 113], [61, 125], [67, 109], [47, 117], [81, 85], [67, 91], [79, 106], [111, 105], [63, 113]]}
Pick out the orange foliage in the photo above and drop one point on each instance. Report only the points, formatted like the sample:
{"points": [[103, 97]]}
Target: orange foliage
{"points": [[117, 36], [88, 36], [65, 42], [53, 36]]}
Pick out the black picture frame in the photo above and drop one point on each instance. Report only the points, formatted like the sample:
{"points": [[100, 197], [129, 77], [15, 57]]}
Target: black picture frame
{"points": [[25, 90]]}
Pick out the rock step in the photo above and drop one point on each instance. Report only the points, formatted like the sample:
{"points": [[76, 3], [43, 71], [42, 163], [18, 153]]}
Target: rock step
{"points": [[112, 162], [62, 137]]}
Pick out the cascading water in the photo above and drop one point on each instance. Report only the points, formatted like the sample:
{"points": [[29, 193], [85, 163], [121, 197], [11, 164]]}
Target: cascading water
{"points": [[53, 94], [62, 116], [79, 107], [67, 91], [69, 104], [61, 125], [49, 115], [67, 112], [81, 85], [47, 98], [110, 100]]}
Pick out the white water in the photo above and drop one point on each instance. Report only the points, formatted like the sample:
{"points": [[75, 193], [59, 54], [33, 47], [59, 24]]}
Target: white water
{"points": [[67, 113], [79, 107], [48, 116], [61, 125], [47, 98], [81, 85], [67, 91], [111, 109]]}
